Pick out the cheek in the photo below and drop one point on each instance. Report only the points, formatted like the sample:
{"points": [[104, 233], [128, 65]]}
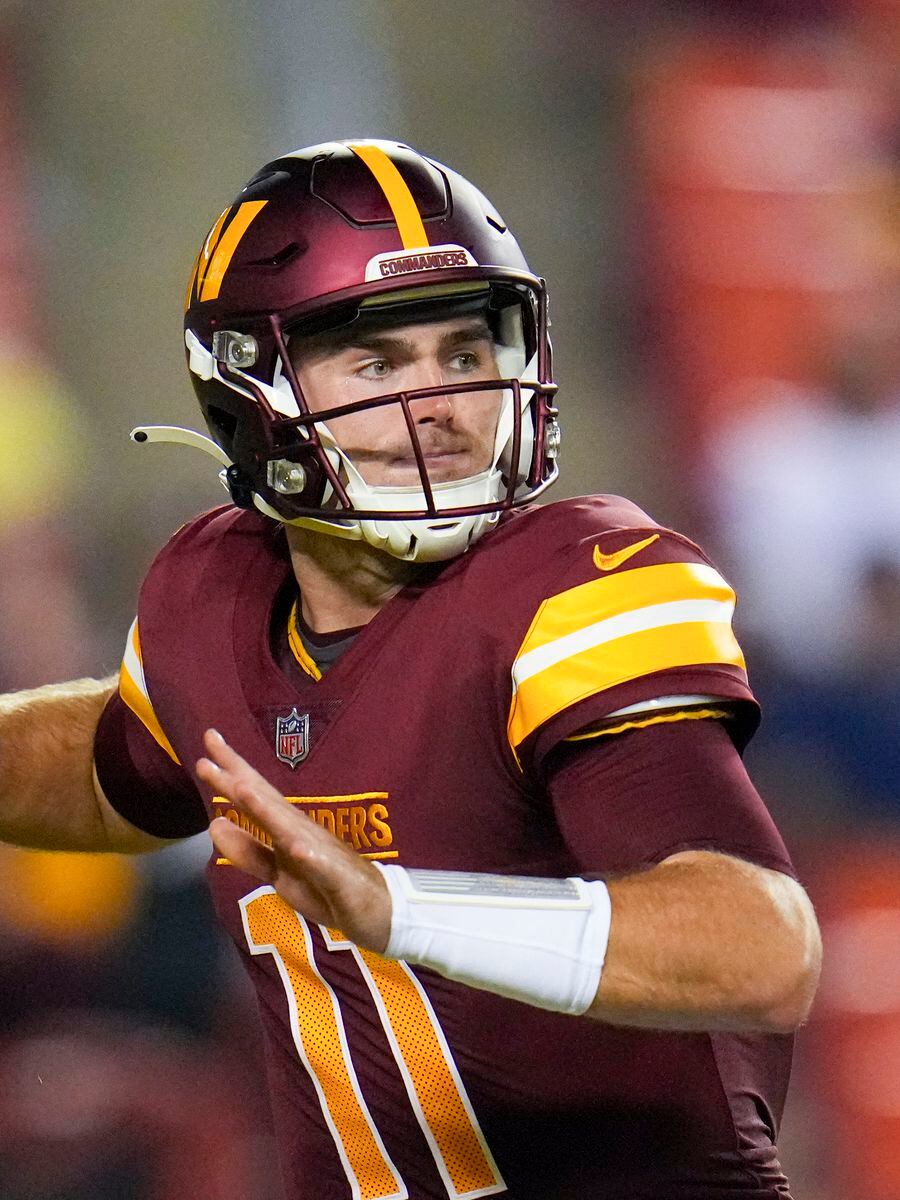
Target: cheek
{"points": [[483, 416], [312, 388], [370, 429]]}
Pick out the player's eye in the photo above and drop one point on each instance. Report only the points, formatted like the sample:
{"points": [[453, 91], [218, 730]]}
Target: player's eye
{"points": [[376, 368], [465, 360]]}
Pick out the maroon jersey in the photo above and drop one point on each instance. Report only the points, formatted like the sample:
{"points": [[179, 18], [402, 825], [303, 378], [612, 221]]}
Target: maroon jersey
{"points": [[429, 743]]}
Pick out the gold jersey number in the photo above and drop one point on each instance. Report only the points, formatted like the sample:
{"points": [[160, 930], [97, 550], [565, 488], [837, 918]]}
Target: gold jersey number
{"points": [[436, 1091]]}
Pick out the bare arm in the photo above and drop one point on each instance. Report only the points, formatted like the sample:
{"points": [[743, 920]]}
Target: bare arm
{"points": [[49, 797], [701, 942], [706, 941]]}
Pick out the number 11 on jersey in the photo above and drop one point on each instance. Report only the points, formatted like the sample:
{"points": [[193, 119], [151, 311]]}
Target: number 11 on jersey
{"points": [[433, 1084]]}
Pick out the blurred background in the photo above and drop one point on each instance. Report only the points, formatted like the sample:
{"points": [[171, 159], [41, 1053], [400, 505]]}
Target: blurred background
{"points": [[713, 191]]}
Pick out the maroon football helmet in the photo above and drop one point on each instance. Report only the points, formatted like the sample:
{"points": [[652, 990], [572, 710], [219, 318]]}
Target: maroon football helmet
{"points": [[351, 237]]}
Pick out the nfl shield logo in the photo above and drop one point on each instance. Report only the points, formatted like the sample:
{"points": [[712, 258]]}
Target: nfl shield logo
{"points": [[292, 738]]}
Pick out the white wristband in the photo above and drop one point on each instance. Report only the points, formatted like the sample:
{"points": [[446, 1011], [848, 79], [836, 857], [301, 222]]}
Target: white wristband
{"points": [[542, 941]]}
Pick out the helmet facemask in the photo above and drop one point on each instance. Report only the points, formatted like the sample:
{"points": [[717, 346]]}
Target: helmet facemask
{"points": [[459, 453]]}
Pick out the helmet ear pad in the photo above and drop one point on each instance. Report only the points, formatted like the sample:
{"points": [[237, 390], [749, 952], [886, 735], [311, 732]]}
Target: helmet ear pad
{"points": [[521, 469], [514, 344]]}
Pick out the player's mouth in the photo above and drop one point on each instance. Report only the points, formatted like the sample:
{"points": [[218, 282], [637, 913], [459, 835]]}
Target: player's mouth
{"points": [[442, 465]]}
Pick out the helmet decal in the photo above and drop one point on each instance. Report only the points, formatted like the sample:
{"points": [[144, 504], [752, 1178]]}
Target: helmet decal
{"points": [[218, 250], [384, 266], [396, 190], [201, 262]]}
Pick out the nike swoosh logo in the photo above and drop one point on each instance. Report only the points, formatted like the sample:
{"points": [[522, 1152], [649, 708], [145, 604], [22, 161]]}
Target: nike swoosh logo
{"points": [[609, 562]]}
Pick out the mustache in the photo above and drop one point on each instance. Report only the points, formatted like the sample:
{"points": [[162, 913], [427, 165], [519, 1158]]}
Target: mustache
{"points": [[403, 453]]}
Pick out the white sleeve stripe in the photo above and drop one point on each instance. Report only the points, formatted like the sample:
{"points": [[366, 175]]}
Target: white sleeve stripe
{"points": [[653, 616], [659, 702], [131, 663]]}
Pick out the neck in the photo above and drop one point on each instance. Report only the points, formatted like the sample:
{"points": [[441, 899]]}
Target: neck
{"points": [[343, 584]]}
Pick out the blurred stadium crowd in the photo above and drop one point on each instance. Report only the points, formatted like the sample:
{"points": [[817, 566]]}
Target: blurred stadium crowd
{"points": [[713, 191]]}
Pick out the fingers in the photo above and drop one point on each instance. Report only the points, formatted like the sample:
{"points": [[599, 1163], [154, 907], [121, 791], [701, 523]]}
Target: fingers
{"points": [[234, 778], [243, 850], [292, 832], [316, 873]]}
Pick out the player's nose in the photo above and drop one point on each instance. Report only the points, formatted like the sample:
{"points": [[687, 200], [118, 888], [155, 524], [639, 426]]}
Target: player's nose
{"points": [[430, 409]]}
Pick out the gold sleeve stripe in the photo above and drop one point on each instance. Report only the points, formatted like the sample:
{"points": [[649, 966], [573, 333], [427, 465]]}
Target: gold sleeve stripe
{"points": [[611, 629], [698, 714], [606, 664], [570, 654], [224, 251], [298, 650], [133, 690], [409, 221], [614, 595]]}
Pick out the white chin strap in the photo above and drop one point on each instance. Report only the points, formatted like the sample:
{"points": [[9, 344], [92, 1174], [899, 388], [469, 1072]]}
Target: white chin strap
{"points": [[422, 539], [429, 539]]}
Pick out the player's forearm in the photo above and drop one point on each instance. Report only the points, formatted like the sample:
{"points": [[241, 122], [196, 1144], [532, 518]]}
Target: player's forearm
{"points": [[705, 941], [47, 797], [701, 942]]}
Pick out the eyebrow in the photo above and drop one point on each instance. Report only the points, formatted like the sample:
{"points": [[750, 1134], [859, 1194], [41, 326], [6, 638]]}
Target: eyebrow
{"points": [[326, 345]]}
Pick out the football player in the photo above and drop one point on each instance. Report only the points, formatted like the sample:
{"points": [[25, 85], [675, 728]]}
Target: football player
{"points": [[518, 921]]}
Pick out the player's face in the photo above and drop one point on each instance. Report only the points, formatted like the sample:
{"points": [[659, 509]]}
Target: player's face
{"points": [[456, 432]]}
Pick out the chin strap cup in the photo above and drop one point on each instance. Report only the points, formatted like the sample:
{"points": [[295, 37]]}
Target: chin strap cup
{"points": [[240, 488]]}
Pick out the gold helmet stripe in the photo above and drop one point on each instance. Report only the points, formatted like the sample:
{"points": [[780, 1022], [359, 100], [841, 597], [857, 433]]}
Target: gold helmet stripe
{"points": [[399, 197], [189, 295], [202, 264], [228, 243]]}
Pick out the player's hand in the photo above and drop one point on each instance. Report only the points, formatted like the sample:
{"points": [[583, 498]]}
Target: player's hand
{"points": [[321, 877]]}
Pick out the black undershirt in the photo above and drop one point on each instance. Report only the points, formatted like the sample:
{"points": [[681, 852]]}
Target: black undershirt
{"points": [[323, 648]]}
